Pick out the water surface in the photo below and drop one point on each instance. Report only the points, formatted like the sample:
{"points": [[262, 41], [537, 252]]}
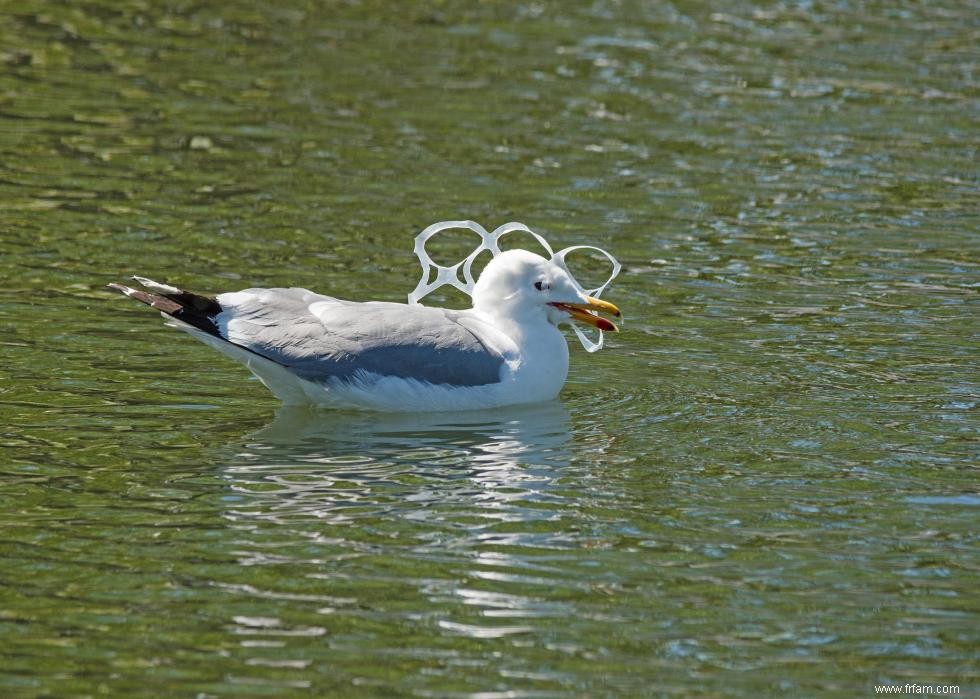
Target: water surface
{"points": [[767, 484]]}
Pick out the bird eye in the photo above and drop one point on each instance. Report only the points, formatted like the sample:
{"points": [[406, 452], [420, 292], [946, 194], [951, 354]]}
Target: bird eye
{"points": [[541, 286]]}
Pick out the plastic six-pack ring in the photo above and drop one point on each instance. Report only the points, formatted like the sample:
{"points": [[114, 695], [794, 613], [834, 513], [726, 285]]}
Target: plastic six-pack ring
{"points": [[490, 242]]}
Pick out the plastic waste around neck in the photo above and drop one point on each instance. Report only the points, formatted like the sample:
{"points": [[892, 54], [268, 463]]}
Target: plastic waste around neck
{"points": [[490, 242]]}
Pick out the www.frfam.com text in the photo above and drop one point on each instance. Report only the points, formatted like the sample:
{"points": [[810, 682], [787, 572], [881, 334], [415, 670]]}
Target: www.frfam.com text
{"points": [[939, 689]]}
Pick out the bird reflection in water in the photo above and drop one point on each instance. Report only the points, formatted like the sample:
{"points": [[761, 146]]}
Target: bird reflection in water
{"points": [[345, 466], [453, 514]]}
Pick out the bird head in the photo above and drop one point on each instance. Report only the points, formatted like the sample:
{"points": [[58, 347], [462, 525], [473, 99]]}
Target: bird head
{"points": [[520, 285]]}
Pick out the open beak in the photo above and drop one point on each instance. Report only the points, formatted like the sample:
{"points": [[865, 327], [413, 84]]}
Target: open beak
{"points": [[588, 312]]}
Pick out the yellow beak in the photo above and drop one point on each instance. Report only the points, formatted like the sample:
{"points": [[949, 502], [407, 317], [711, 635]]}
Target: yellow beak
{"points": [[588, 312]]}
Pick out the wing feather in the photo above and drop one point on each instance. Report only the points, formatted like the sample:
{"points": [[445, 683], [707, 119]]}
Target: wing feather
{"points": [[320, 338]]}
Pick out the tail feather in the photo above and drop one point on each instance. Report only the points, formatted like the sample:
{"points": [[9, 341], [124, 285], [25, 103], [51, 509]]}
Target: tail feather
{"points": [[195, 314], [192, 309]]}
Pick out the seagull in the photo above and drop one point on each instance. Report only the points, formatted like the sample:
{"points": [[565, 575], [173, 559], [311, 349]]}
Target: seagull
{"points": [[307, 348]]}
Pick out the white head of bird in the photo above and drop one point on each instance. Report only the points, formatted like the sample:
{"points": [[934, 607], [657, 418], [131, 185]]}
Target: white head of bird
{"points": [[522, 287]]}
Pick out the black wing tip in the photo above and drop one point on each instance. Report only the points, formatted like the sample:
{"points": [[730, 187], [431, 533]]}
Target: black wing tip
{"points": [[121, 288], [193, 309]]}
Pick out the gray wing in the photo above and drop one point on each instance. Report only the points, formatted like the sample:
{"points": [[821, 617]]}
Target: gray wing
{"points": [[319, 337]]}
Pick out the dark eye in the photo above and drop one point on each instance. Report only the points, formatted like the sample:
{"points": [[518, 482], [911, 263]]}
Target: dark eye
{"points": [[541, 286]]}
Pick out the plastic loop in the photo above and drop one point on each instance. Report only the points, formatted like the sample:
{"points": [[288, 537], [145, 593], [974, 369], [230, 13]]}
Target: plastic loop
{"points": [[490, 242]]}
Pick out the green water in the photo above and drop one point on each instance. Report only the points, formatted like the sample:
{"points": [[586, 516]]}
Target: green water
{"points": [[765, 486]]}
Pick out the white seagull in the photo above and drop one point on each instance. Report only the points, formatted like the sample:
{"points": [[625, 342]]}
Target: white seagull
{"points": [[313, 349]]}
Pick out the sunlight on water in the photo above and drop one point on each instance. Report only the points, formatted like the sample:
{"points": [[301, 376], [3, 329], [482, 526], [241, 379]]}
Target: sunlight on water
{"points": [[766, 485]]}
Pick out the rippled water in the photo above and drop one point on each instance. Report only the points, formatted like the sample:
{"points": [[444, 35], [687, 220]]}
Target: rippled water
{"points": [[766, 485]]}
